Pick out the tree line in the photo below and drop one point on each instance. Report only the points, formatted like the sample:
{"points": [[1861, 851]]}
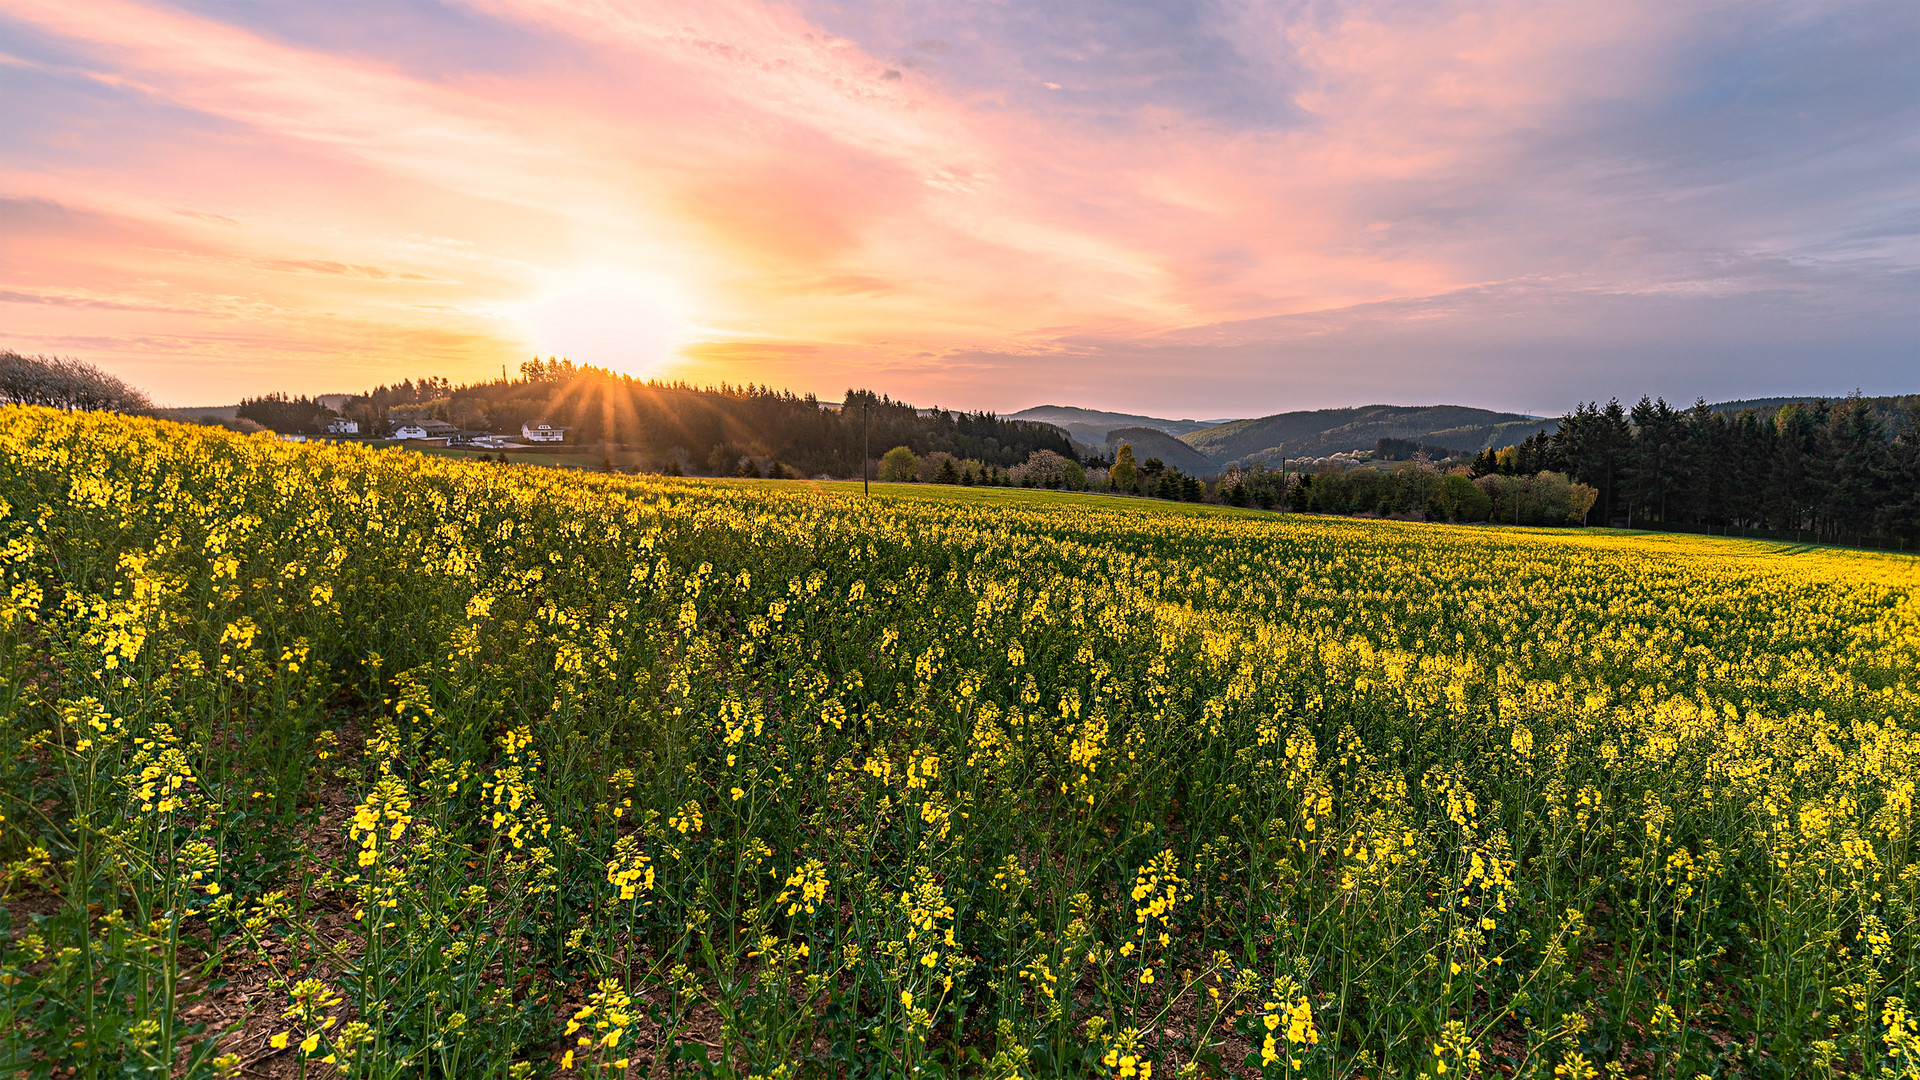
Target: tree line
{"points": [[1053, 471], [1419, 490], [1830, 469], [287, 415], [725, 430]]}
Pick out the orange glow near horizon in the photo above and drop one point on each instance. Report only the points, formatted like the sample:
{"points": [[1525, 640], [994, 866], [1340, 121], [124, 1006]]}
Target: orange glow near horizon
{"points": [[216, 202]]}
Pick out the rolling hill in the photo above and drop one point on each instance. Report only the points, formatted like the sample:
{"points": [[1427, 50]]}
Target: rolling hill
{"points": [[1151, 443], [1331, 431]]}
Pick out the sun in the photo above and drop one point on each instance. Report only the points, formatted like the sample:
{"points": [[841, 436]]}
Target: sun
{"points": [[611, 317]]}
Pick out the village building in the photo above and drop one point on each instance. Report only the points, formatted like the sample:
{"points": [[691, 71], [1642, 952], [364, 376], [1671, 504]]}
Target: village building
{"points": [[424, 429], [542, 432]]}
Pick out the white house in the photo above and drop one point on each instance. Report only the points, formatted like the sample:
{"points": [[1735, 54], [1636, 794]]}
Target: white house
{"points": [[340, 425], [423, 429], [542, 432]]}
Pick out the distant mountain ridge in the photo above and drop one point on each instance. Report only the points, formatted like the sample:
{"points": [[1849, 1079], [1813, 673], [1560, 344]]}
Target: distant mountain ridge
{"points": [[1321, 432], [1091, 426], [1324, 432]]}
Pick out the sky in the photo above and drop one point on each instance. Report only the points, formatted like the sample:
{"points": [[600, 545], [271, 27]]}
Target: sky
{"points": [[1180, 209]]}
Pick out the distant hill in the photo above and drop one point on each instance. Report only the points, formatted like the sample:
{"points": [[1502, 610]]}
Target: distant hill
{"points": [[1892, 411], [1090, 426], [1330, 431], [1746, 403], [1151, 443]]}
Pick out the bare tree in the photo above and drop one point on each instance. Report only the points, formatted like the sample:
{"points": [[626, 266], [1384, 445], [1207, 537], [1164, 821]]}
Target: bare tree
{"points": [[65, 383]]}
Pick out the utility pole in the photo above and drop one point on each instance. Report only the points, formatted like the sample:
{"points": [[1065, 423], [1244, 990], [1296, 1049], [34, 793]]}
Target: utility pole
{"points": [[866, 445]]}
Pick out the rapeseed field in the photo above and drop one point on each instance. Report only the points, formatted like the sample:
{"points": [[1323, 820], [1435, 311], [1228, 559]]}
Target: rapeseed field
{"points": [[323, 761]]}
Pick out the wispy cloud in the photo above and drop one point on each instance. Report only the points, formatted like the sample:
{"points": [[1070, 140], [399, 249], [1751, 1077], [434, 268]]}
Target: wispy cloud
{"points": [[1193, 204]]}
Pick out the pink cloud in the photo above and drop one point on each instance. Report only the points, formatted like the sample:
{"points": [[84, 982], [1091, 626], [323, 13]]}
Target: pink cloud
{"points": [[812, 210]]}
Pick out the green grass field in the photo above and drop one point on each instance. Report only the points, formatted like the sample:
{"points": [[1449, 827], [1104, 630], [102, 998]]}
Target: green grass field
{"points": [[989, 496]]}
